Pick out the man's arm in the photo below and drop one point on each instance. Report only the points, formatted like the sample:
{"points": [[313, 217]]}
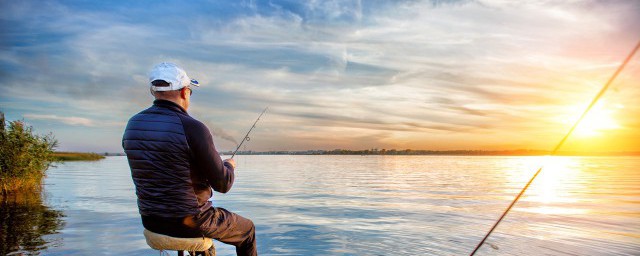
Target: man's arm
{"points": [[219, 174]]}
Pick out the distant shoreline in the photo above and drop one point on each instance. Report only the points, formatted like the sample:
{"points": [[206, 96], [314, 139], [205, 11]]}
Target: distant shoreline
{"points": [[519, 152], [411, 152], [76, 156]]}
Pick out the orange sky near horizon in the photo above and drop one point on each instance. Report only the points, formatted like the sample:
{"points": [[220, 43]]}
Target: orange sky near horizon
{"points": [[550, 110]]}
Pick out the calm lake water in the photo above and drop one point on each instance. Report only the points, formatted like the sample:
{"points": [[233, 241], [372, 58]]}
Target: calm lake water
{"points": [[361, 205]]}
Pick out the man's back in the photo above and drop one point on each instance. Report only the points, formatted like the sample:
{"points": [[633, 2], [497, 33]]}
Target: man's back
{"points": [[159, 157]]}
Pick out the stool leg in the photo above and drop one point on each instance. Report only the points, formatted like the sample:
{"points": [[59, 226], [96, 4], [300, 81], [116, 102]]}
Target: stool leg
{"points": [[180, 253]]}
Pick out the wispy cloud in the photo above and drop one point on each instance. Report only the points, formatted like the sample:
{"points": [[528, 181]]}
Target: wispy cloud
{"points": [[397, 73], [72, 120]]}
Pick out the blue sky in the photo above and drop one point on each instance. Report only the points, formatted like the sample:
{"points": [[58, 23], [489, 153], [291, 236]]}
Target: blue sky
{"points": [[336, 74]]}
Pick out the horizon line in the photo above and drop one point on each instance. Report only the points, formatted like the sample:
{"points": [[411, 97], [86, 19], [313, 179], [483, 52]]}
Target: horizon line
{"points": [[461, 152]]}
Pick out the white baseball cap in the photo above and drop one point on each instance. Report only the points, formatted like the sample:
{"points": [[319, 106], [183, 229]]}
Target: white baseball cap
{"points": [[172, 74]]}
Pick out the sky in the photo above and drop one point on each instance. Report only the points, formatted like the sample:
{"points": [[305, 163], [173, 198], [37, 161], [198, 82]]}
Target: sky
{"points": [[437, 75]]}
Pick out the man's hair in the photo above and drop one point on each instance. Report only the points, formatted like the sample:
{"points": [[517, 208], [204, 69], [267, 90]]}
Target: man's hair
{"points": [[164, 94], [160, 83]]}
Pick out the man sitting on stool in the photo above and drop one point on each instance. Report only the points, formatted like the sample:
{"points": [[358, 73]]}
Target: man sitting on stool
{"points": [[174, 166]]}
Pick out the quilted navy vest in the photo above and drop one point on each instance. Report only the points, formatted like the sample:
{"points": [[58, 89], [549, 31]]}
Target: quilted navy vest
{"points": [[159, 157]]}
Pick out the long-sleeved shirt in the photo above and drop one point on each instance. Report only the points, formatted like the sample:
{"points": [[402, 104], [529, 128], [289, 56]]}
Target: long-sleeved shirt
{"points": [[174, 166]]}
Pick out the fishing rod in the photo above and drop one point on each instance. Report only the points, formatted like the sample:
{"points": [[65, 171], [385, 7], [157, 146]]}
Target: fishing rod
{"points": [[246, 137], [555, 150]]}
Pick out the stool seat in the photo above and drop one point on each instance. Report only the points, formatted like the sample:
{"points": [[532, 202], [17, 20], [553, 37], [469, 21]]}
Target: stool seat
{"points": [[164, 242]]}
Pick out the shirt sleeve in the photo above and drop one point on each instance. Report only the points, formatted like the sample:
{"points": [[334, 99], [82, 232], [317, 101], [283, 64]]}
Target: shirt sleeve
{"points": [[206, 159]]}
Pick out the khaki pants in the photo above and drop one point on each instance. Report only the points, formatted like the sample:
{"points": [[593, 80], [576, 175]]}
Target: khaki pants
{"points": [[229, 228]]}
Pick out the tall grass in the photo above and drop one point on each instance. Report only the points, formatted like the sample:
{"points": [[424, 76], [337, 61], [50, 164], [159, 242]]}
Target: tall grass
{"points": [[76, 156], [24, 156]]}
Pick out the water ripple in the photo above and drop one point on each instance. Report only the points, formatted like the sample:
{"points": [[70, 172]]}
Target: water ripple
{"points": [[379, 205]]}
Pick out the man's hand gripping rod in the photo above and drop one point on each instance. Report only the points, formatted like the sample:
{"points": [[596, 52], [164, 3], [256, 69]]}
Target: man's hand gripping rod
{"points": [[246, 137]]}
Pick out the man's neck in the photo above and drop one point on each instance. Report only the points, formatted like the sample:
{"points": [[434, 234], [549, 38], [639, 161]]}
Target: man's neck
{"points": [[172, 102]]}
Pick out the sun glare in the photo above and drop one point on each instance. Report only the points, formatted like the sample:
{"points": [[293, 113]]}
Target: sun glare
{"points": [[596, 122]]}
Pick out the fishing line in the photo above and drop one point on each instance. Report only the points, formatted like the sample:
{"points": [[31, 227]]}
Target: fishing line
{"points": [[246, 137], [555, 150]]}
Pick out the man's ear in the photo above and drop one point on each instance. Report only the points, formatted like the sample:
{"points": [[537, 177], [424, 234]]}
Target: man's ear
{"points": [[183, 93]]}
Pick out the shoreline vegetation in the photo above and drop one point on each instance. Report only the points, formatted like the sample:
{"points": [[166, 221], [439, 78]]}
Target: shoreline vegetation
{"points": [[518, 152], [76, 156], [24, 156]]}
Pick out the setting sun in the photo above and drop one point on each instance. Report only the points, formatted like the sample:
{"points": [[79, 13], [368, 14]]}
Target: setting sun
{"points": [[596, 122]]}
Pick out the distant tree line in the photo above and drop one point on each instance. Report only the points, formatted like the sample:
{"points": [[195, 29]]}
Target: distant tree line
{"points": [[375, 151]]}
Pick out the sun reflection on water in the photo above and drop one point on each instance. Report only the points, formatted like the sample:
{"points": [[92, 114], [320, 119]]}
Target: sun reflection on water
{"points": [[551, 191]]}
